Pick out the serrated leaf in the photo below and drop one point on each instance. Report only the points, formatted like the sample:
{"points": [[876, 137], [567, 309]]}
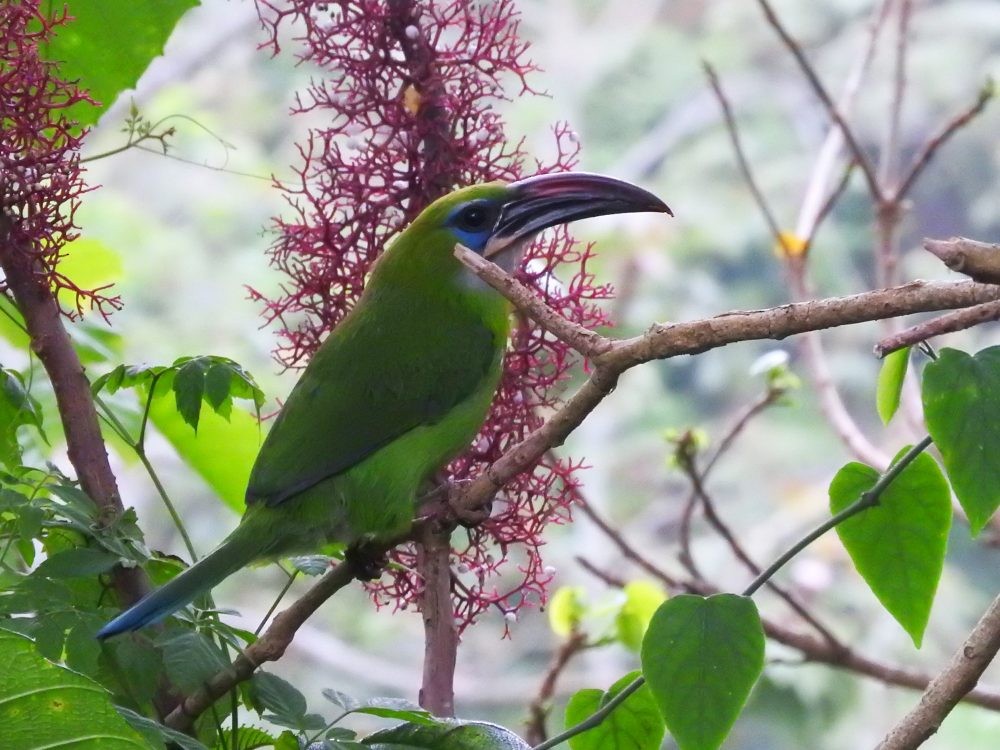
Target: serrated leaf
{"points": [[701, 657], [222, 452], [396, 708], [109, 44], [155, 731], [446, 735], [75, 563], [898, 546], [279, 697], [43, 705], [642, 599], [961, 395], [247, 738], [190, 658], [891, 377], [566, 608], [345, 701], [17, 409], [189, 389], [636, 724]]}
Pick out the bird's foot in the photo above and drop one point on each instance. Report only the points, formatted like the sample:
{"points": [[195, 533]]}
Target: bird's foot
{"points": [[367, 558], [464, 515]]}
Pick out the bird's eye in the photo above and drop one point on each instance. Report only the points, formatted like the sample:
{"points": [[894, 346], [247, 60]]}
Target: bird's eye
{"points": [[475, 218]]}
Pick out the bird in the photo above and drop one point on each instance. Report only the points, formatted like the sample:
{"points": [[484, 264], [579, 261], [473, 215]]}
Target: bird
{"points": [[398, 388]]}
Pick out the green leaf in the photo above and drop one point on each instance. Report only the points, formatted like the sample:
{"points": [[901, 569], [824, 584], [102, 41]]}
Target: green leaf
{"points": [[222, 452], [190, 658], [109, 44], [17, 408], [890, 383], [961, 395], [898, 546], [75, 563], [446, 735], [286, 704], [43, 705], [634, 725], [701, 657], [247, 738], [189, 389], [156, 732], [566, 608], [642, 599]]}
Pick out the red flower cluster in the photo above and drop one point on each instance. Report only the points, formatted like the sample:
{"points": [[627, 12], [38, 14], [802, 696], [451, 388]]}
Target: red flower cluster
{"points": [[409, 91], [40, 173]]}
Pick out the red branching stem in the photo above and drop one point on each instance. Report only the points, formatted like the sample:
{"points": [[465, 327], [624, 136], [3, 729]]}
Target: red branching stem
{"points": [[40, 175], [410, 88]]}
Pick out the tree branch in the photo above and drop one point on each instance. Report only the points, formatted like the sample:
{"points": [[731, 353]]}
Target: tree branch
{"points": [[84, 443], [980, 261], [956, 682], [269, 647], [437, 692]]}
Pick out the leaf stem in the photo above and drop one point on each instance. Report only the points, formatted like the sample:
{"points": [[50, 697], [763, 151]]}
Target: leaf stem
{"points": [[867, 500], [595, 718]]}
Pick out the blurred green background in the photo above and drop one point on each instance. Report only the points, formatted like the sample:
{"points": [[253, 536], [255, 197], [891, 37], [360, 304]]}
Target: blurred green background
{"points": [[627, 75]]}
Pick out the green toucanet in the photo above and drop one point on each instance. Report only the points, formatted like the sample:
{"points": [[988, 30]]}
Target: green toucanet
{"points": [[398, 388]]}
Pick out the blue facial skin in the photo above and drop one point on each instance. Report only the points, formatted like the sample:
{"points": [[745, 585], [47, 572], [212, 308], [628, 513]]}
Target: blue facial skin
{"points": [[473, 222]]}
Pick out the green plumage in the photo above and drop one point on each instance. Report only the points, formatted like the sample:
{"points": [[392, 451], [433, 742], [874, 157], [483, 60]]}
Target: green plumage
{"points": [[398, 388]]}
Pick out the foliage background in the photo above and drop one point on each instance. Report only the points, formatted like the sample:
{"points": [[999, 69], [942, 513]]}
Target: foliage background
{"points": [[628, 77]]}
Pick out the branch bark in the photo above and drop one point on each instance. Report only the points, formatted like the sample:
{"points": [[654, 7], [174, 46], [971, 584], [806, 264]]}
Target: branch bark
{"points": [[269, 647], [51, 343], [958, 680]]}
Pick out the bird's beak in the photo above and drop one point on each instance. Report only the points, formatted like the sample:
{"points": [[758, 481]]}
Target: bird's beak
{"points": [[546, 200]]}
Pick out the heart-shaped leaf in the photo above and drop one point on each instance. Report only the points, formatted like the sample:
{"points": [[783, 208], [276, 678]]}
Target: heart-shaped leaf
{"points": [[634, 725], [701, 657], [961, 396], [898, 546], [890, 383]]}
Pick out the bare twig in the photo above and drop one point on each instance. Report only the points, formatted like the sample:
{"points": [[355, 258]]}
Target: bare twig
{"points": [[269, 647], [979, 261], [693, 474], [956, 682], [947, 323], [541, 704], [824, 96], [813, 208], [813, 649], [744, 164], [930, 148], [891, 146]]}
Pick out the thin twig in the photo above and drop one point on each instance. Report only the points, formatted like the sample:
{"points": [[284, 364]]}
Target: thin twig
{"points": [[980, 261], [948, 323], [930, 148], [955, 683], [541, 704], [712, 516], [583, 340], [824, 96], [269, 647], [744, 164]]}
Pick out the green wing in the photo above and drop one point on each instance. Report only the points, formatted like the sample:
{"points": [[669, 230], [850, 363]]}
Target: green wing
{"points": [[370, 382]]}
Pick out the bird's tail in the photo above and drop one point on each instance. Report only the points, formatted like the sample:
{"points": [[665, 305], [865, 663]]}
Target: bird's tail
{"points": [[233, 554]]}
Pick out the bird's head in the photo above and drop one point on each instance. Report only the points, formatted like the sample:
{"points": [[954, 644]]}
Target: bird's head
{"points": [[498, 220]]}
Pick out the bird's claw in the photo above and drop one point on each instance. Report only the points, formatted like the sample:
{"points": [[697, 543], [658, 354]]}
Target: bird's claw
{"points": [[366, 558]]}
